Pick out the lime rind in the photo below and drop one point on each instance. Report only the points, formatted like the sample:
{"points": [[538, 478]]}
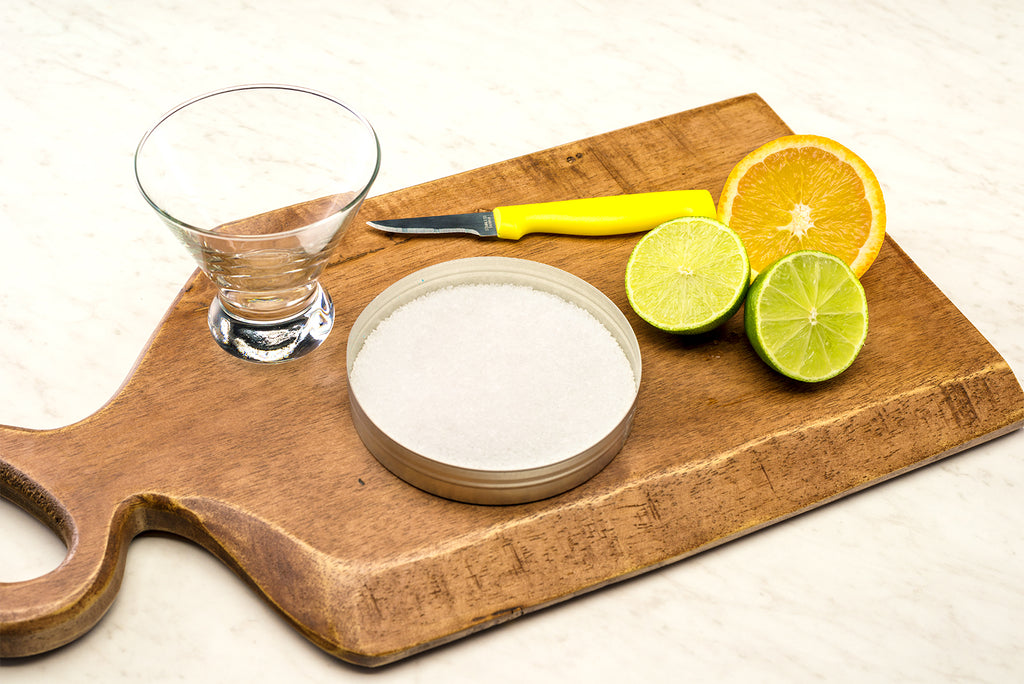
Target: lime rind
{"points": [[806, 316], [688, 275]]}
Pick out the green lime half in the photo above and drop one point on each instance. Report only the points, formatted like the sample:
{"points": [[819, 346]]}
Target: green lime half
{"points": [[688, 275], [806, 316]]}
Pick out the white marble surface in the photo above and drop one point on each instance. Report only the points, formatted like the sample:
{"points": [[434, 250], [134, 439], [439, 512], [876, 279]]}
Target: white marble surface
{"points": [[917, 580]]}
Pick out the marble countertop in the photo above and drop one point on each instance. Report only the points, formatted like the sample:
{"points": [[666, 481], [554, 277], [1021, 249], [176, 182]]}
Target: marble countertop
{"points": [[920, 579]]}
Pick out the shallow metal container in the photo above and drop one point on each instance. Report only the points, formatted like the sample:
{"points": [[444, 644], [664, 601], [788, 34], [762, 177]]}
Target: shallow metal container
{"points": [[493, 486]]}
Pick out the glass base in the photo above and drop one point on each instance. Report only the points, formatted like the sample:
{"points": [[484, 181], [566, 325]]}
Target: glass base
{"points": [[273, 342]]}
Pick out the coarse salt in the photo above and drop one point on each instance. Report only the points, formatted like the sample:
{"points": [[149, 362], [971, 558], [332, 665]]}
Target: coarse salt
{"points": [[493, 377]]}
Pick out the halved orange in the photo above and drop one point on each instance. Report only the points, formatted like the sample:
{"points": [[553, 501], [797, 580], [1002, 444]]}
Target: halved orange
{"points": [[804, 192]]}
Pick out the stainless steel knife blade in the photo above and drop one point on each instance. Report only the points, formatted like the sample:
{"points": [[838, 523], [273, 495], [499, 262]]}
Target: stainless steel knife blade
{"points": [[479, 223]]}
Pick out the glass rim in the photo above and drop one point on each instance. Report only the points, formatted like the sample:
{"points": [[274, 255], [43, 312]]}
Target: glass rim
{"points": [[358, 197]]}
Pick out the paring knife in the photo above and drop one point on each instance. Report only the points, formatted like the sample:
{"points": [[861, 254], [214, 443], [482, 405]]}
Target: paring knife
{"points": [[613, 215]]}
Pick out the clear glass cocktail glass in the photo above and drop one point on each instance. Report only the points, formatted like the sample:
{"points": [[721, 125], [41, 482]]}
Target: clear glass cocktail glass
{"points": [[260, 183]]}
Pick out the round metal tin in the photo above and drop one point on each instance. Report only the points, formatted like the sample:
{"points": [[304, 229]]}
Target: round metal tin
{"points": [[493, 486]]}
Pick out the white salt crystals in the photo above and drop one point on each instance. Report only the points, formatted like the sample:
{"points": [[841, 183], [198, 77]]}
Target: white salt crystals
{"points": [[493, 377], [493, 380]]}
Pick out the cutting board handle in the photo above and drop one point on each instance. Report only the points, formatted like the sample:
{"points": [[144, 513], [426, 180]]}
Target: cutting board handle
{"points": [[55, 608], [96, 510]]}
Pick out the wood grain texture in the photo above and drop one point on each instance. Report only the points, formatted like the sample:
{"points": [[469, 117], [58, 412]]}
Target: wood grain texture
{"points": [[261, 465]]}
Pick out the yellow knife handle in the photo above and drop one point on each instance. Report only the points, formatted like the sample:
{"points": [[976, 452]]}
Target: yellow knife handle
{"points": [[612, 215]]}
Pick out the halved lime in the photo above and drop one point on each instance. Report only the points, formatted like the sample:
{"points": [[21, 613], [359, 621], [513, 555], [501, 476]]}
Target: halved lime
{"points": [[806, 316], [688, 275]]}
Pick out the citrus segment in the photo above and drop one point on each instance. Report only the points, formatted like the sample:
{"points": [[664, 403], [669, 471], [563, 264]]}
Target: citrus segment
{"points": [[806, 316], [687, 275], [804, 192]]}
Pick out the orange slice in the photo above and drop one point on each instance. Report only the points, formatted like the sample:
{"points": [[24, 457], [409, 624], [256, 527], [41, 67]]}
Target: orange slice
{"points": [[804, 192]]}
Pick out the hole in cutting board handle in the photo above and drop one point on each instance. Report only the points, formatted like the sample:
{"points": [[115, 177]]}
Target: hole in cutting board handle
{"points": [[26, 509], [29, 547]]}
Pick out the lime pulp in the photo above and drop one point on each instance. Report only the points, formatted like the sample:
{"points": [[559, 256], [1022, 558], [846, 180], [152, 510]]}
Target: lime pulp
{"points": [[806, 316], [687, 275]]}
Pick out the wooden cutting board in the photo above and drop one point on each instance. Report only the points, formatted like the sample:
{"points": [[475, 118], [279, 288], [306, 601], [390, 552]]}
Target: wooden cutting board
{"points": [[261, 465]]}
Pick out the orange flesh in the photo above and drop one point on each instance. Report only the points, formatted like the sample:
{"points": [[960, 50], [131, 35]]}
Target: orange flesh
{"points": [[799, 199]]}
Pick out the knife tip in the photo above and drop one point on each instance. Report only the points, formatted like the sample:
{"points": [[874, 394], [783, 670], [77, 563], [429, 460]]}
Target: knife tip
{"points": [[380, 226]]}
